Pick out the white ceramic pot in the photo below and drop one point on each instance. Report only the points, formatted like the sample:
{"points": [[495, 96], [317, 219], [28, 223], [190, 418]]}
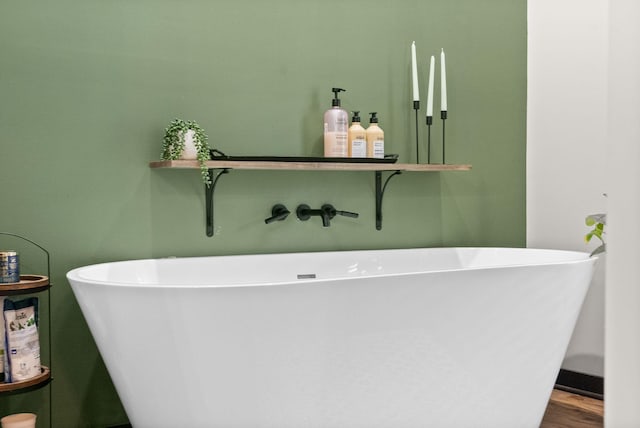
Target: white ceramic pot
{"points": [[190, 152]]}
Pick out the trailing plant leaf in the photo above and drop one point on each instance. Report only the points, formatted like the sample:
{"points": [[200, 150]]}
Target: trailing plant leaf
{"points": [[597, 222], [596, 218], [173, 144]]}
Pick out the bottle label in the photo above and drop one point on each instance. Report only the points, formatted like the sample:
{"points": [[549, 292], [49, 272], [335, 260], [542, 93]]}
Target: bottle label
{"points": [[335, 144], [359, 148], [378, 148]]}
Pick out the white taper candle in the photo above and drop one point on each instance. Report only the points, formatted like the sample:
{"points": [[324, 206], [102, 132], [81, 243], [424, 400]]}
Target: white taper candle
{"points": [[432, 65], [414, 73], [443, 83]]}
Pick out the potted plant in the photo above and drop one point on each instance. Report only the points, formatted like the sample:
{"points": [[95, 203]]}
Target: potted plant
{"points": [[187, 140]]}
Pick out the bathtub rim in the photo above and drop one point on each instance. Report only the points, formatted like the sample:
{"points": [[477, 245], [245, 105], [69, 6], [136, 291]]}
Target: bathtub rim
{"points": [[74, 275]]}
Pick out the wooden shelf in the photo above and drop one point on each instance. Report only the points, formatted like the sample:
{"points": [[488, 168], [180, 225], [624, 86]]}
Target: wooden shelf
{"points": [[310, 166], [27, 284], [40, 380]]}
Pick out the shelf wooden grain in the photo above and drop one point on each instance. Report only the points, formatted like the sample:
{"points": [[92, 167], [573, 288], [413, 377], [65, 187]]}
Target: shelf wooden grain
{"points": [[41, 379], [310, 166], [27, 284]]}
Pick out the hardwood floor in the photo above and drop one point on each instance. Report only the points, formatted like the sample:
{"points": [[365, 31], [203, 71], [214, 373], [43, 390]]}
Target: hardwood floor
{"points": [[567, 410]]}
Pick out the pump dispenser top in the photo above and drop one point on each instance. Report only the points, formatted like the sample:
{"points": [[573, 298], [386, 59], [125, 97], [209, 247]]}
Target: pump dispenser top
{"points": [[336, 124], [336, 101]]}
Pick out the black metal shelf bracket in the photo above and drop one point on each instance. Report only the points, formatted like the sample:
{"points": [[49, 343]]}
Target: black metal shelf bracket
{"points": [[215, 175], [380, 188]]}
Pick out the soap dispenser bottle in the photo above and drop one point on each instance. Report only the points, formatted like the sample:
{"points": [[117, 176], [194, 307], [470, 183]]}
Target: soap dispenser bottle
{"points": [[336, 126], [375, 138], [357, 146]]}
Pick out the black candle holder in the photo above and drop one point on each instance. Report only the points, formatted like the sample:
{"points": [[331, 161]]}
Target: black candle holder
{"points": [[443, 116], [429, 123], [416, 107]]}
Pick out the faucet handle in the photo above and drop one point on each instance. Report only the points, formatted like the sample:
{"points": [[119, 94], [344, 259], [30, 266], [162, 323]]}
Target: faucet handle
{"points": [[278, 213], [332, 212], [348, 214]]}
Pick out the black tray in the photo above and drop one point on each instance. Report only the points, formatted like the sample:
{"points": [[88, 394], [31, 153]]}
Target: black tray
{"points": [[387, 159]]}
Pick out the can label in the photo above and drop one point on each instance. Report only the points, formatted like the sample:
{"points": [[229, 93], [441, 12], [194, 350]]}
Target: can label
{"points": [[9, 267]]}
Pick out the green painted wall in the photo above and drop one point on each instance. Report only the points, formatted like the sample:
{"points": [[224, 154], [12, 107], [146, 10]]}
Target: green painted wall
{"points": [[87, 87]]}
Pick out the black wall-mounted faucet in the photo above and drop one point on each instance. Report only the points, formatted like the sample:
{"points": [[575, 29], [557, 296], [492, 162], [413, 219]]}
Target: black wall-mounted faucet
{"points": [[326, 212], [278, 213], [304, 213]]}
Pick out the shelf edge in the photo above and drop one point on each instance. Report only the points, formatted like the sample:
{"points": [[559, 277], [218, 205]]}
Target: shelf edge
{"points": [[311, 166], [35, 381]]}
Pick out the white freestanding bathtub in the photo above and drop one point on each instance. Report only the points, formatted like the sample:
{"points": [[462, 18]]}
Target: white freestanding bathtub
{"points": [[447, 337]]}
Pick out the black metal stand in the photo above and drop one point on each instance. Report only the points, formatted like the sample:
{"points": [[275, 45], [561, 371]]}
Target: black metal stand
{"points": [[48, 289], [429, 123], [416, 107], [380, 193], [443, 116], [208, 193]]}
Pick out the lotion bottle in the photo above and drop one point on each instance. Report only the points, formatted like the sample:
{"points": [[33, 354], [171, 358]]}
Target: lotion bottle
{"points": [[357, 138], [336, 127], [375, 138]]}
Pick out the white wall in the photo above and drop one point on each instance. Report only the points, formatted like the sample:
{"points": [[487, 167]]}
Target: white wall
{"points": [[622, 371], [566, 146], [584, 60]]}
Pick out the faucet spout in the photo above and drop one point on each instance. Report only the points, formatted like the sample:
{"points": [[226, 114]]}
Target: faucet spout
{"points": [[304, 213], [326, 212], [325, 218]]}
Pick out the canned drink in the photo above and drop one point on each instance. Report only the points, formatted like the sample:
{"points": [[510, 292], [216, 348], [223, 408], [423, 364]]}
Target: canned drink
{"points": [[9, 267]]}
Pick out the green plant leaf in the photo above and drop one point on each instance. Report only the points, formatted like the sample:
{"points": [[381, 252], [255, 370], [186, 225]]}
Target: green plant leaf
{"points": [[596, 218]]}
